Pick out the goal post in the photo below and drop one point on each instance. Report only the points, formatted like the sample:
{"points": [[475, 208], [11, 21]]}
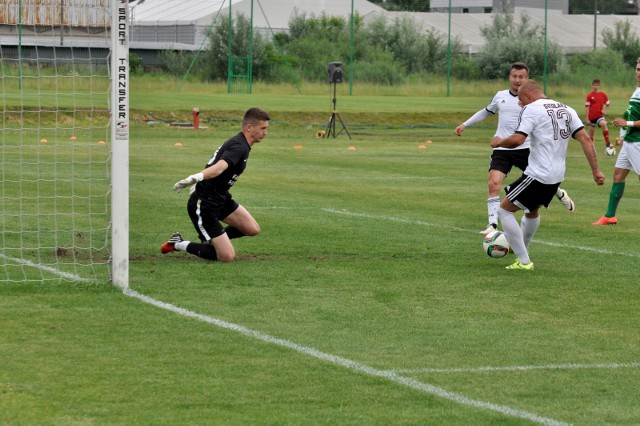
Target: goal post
{"points": [[120, 142], [64, 143]]}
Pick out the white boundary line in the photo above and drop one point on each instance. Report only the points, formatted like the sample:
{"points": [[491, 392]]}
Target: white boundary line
{"points": [[455, 228], [614, 365], [347, 363], [65, 275]]}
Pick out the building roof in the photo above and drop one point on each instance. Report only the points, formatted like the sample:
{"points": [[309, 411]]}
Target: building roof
{"points": [[182, 24], [267, 13], [174, 12], [573, 33]]}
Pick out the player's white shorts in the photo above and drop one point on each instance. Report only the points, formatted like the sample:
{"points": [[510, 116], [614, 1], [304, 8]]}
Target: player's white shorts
{"points": [[629, 157]]}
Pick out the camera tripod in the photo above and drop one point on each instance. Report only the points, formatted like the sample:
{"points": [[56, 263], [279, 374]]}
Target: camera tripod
{"points": [[331, 125]]}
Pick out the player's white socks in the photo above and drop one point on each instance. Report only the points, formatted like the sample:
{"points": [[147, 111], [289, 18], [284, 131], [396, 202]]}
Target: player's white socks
{"points": [[514, 235], [493, 204], [529, 228], [181, 245]]}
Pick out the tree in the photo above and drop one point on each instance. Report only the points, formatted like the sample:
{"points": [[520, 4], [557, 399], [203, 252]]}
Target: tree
{"points": [[216, 57], [417, 51], [508, 42], [316, 41], [623, 40], [604, 64]]}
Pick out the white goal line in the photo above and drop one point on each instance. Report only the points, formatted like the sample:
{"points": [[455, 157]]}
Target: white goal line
{"points": [[45, 268]]}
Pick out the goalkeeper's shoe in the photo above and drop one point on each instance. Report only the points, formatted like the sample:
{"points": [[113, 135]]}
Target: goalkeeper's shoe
{"points": [[606, 221], [566, 201], [520, 265], [169, 246]]}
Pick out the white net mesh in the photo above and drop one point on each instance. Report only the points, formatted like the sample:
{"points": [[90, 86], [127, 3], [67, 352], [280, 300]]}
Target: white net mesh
{"points": [[55, 143]]}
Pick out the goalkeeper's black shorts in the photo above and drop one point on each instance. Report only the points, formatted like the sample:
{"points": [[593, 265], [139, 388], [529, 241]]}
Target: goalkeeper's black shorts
{"points": [[206, 217]]}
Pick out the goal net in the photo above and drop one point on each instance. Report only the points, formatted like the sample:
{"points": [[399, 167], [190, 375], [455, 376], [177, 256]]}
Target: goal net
{"points": [[57, 90]]}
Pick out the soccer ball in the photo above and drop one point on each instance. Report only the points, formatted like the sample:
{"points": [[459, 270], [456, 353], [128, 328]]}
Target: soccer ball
{"points": [[495, 244], [610, 151]]}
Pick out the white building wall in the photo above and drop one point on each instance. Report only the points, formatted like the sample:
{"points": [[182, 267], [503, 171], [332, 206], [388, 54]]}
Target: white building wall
{"points": [[488, 6]]}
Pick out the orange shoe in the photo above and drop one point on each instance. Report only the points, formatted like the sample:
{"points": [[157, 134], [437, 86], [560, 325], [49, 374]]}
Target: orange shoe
{"points": [[169, 246], [606, 221]]}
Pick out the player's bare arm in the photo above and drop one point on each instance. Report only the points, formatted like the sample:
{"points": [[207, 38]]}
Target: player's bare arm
{"points": [[621, 122], [512, 141], [590, 152]]}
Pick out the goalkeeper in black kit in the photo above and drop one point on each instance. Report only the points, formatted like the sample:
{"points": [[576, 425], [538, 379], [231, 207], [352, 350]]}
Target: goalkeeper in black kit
{"points": [[210, 202]]}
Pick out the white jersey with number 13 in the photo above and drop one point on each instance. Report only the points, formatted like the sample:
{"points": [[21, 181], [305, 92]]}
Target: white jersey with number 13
{"points": [[549, 125]]}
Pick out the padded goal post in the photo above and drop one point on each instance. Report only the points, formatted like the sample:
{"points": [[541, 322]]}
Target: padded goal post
{"points": [[64, 160], [120, 142]]}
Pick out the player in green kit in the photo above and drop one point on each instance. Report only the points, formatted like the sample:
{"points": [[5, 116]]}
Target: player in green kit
{"points": [[629, 156]]}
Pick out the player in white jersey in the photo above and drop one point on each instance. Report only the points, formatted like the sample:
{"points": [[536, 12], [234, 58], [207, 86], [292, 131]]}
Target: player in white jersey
{"points": [[506, 104], [549, 125]]}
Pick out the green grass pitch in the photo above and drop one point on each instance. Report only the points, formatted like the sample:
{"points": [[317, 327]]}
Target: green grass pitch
{"points": [[366, 299]]}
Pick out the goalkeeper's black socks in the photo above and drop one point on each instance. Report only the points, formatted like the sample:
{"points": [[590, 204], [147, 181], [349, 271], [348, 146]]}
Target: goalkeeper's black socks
{"points": [[233, 232], [203, 250]]}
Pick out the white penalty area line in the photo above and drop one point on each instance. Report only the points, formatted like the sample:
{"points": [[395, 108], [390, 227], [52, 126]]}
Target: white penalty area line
{"points": [[347, 363], [609, 366], [66, 275], [455, 228]]}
